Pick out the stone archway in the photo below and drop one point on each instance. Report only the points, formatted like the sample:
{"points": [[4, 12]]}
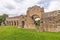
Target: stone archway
{"points": [[36, 20], [35, 12]]}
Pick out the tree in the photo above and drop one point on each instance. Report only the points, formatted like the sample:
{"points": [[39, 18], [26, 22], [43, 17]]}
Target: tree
{"points": [[3, 18]]}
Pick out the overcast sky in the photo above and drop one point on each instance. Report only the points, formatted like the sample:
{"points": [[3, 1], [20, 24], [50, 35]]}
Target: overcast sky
{"points": [[18, 7]]}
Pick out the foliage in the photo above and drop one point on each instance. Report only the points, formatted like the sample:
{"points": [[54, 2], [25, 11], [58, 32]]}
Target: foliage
{"points": [[37, 26], [14, 33], [3, 18], [37, 23]]}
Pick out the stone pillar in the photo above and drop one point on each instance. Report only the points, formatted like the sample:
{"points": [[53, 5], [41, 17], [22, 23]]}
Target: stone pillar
{"points": [[7, 23], [11, 23], [29, 23], [42, 25]]}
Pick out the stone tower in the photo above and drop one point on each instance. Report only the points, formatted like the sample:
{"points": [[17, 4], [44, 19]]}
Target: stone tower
{"points": [[34, 13]]}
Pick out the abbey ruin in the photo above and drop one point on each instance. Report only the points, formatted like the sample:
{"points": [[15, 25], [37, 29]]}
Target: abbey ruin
{"points": [[49, 21]]}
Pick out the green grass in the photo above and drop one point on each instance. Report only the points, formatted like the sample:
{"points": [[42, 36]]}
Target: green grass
{"points": [[14, 33]]}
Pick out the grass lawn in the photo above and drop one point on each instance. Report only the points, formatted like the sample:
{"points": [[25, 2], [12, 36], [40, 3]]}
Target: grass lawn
{"points": [[14, 33]]}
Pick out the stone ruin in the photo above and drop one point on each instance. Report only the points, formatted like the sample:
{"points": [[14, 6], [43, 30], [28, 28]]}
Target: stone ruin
{"points": [[48, 21]]}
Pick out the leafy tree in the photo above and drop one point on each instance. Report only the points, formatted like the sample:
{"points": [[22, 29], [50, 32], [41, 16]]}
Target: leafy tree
{"points": [[3, 18]]}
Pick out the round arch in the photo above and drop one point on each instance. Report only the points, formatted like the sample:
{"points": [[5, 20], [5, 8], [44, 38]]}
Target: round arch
{"points": [[36, 19]]}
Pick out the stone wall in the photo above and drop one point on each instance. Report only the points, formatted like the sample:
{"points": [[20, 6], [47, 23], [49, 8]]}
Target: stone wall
{"points": [[49, 21]]}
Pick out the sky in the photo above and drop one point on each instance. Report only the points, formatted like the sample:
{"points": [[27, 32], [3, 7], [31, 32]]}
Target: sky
{"points": [[19, 7]]}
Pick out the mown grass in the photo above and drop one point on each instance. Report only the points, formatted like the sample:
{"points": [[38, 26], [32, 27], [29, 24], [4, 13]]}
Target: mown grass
{"points": [[14, 33]]}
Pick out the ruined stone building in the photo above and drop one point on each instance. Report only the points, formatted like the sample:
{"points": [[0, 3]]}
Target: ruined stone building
{"points": [[49, 21]]}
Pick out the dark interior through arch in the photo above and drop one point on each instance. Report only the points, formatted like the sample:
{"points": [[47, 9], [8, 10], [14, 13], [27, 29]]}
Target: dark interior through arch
{"points": [[23, 23]]}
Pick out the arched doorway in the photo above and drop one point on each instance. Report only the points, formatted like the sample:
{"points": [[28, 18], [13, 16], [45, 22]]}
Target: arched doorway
{"points": [[36, 20], [23, 23]]}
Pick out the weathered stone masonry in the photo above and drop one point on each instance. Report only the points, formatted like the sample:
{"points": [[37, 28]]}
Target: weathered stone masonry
{"points": [[49, 21]]}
